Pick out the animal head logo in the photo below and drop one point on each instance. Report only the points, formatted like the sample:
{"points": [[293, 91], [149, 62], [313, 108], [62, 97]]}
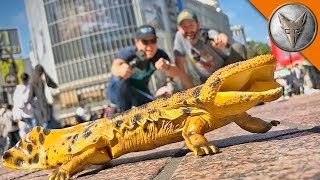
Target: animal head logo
{"points": [[292, 29]]}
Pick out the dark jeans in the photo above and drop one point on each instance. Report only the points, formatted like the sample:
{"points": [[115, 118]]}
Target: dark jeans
{"points": [[14, 138], [124, 95]]}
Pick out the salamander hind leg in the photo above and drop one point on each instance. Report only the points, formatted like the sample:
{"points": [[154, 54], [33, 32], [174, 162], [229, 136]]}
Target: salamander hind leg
{"points": [[78, 163], [193, 133], [254, 124]]}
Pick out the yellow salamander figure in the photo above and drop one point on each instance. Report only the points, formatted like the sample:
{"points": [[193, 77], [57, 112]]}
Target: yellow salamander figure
{"points": [[223, 98]]}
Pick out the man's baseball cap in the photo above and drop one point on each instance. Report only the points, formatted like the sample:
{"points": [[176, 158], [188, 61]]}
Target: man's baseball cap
{"points": [[186, 14], [145, 31]]}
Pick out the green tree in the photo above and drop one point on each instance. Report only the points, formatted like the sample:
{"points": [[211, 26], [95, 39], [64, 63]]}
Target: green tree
{"points": [[257, 48]]}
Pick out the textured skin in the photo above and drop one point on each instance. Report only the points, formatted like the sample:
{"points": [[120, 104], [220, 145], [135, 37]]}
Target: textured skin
{"points": [[187, 115]]}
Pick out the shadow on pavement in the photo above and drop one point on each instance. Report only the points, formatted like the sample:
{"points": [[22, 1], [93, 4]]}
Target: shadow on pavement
{"points": [[222, 143]]}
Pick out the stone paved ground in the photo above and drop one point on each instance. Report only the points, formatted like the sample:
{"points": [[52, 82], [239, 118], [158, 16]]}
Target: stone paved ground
{"points": [[290, 151]]}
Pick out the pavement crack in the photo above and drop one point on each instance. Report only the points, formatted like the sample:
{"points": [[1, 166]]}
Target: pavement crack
{"points": [[167, 171]]}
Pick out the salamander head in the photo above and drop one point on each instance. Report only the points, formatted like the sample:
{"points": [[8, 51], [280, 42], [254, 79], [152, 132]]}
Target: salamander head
{"points": [[28, 152], [242, 85]]}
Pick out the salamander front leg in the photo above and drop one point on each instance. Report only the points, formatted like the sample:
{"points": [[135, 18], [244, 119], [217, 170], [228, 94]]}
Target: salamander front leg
{"points": [[79, 162], [193, 133]]}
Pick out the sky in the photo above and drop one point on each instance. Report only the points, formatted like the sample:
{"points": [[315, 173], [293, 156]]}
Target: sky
{"points": [[12, 15], [240, 12]]}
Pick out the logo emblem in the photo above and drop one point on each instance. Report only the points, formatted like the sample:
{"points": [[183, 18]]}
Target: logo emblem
{"points": [[292, 27]]}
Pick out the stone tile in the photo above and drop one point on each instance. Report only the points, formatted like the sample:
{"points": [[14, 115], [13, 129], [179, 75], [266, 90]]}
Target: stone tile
{"points": [[303, 109], [295, 156], [283, 153]]}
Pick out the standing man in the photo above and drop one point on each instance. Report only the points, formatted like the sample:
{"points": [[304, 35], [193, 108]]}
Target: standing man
{"points": [[200, 54], [22, 110], [39, 97], [132, 68]]}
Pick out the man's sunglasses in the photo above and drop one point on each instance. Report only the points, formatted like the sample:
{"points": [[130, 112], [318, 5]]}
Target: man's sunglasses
{"points": [[149, 41]]}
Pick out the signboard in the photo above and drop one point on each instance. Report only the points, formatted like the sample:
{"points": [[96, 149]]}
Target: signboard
{"points": [[6, 67], [9, 40]]}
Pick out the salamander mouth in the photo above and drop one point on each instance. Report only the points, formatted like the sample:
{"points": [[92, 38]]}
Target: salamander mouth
{"points": [[257, 79], [255, 82]]}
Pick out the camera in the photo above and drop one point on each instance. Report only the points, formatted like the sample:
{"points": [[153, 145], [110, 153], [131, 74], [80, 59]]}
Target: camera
{"points": [[204, 35], [139, 57]]}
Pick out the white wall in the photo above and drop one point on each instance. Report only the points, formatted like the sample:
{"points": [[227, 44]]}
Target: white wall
{"points": [[40, 38]]}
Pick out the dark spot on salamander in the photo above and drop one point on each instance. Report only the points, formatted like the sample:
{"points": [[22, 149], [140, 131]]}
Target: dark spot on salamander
{"points": [[143, 106], [38, 128], [185, 103], [75, 137], [46, 131], [248, 97], [59, 163], [190, 133], [29, 147], [87, 133], [47, 157], [196, 92], [198, 101], [69, 149], [215, 82], [6, 155], [34, 141], [19, 161], [152, 110], [41, 138], [235, 65], [69, 137], [186, 111], [118, 123], [36, 158], [136, 118], [30, 161]]}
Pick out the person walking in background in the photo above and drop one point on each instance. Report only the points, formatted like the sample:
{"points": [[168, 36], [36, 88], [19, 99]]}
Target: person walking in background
{"points": [[132, 69], [82, 114], [298, 79], [37, 95], [11, 126], [4, 140], [109, 111], [199, 54], [22, 110]]}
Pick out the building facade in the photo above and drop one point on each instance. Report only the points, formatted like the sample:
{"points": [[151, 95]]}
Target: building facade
{"points": [[239, 34], [77, 40]]}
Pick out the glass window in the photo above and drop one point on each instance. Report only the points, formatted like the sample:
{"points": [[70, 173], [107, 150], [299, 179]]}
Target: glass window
{"points": [[55, 54], [60, 54], [51, 34], [68, 53], [63, 53], [80, 48], [47, 9], [66, 72], [54, 40], [84, 69], [71, 51], [75, 49], [94, 43]]}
